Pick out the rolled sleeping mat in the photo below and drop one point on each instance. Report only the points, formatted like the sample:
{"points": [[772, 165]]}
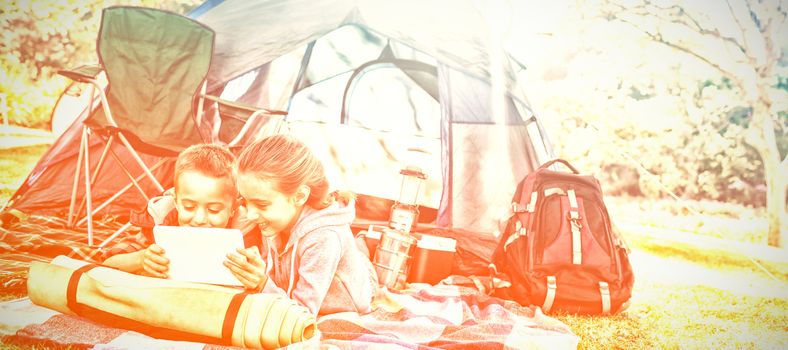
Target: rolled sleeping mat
{"points": [[168, 309]]}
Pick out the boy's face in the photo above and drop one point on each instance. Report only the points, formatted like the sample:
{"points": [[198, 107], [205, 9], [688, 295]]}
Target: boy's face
{"points": [[203, 201], [273, 211]]}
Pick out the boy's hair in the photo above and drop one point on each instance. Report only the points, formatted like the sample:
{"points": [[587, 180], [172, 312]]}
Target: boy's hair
{"points": [[289, 164], [208, 159]]}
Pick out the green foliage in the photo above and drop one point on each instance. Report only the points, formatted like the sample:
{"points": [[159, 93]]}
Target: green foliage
{"points": [[782, 83], [615, 98], [40, 37], [683, 124], [782, 133], [740, 116], [696, 151]]}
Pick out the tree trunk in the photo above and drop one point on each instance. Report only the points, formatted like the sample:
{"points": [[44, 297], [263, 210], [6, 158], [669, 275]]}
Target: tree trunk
{"points": [[766, 144], [775, 205]]}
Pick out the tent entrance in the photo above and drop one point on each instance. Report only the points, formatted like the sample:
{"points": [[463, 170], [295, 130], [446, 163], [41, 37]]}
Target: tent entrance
{"points": [[361, 102]]}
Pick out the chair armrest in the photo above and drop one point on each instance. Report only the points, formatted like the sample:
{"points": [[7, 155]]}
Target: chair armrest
{"points": [[82, 74], [235, 120], [241, 106]]}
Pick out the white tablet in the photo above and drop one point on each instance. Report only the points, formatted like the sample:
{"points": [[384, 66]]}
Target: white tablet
{"points": [[197, 253]]}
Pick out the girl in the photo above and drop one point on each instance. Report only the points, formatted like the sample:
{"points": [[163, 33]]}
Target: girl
{"points": [[311, 254]]}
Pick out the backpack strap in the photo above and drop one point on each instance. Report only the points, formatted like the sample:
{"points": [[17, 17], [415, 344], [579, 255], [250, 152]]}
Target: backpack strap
{"points": [[549, 298], [574, 224], [523, 215], [604, 291], [519, 231], [531, 207]]}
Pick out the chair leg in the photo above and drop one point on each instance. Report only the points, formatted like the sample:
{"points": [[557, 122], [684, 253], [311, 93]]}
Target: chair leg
{"points": [[201, 104], [96, 171], [115, 234], [77, 170], [89, 202], [123, 190], [89, 180], [111, 121], [249, 121], [216, 124], [141, 163], [134, 182]]}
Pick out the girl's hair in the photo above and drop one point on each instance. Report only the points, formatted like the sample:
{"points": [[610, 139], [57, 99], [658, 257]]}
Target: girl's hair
{"points": [[289, 164], [208, 159]]}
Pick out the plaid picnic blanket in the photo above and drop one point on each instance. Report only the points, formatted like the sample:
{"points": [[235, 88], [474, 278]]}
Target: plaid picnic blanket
{"points": [[422, 316], [41, 238], [445, 317]]}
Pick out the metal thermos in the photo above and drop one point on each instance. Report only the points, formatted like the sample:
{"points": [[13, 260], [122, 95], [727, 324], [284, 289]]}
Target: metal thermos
{"points": [[392, 258]]}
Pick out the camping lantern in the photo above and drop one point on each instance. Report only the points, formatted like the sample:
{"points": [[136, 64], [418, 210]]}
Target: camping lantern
{"points": [[405, 211]]}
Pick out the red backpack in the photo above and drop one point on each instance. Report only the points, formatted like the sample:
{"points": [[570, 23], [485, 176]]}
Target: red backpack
{"points": [[559, 248]]}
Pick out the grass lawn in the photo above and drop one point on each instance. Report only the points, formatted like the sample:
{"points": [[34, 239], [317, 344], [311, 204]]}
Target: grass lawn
{"points": [[688, 298], [687, 295], [15, 164]]}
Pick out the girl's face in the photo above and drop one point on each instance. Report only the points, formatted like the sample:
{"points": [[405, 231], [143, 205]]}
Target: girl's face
{"points": [[273, 211]]}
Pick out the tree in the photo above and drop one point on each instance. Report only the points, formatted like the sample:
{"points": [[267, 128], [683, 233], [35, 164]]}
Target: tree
{"points": [[750, 35]]}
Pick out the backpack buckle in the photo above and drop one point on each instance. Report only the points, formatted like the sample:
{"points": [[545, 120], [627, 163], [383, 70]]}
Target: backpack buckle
{"points": [[574, 218]]}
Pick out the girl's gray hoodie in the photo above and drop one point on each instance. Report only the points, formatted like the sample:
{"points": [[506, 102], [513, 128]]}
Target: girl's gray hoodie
{"points": [[320, 267]]}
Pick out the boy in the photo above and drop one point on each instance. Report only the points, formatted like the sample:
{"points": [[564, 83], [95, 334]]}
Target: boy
{"points": [[205, 196]]}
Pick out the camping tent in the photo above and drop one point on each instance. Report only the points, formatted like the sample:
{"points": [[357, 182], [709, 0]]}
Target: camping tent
{"points": [[364, 83]]}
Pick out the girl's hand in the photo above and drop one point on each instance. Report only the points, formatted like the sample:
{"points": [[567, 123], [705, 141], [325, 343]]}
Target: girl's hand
{"points": [[248, 267], [153, 262]]}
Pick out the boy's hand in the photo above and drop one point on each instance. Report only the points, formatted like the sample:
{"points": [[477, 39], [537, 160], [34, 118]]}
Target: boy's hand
{"points": [[248, 267], [153, 261]]}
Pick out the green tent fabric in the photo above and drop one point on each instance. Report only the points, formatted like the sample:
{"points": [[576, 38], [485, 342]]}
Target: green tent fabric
{"points": [[155, 62]]}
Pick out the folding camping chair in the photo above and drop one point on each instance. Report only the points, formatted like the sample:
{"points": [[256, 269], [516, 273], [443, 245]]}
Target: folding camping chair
{"points": [[156, 63]]}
